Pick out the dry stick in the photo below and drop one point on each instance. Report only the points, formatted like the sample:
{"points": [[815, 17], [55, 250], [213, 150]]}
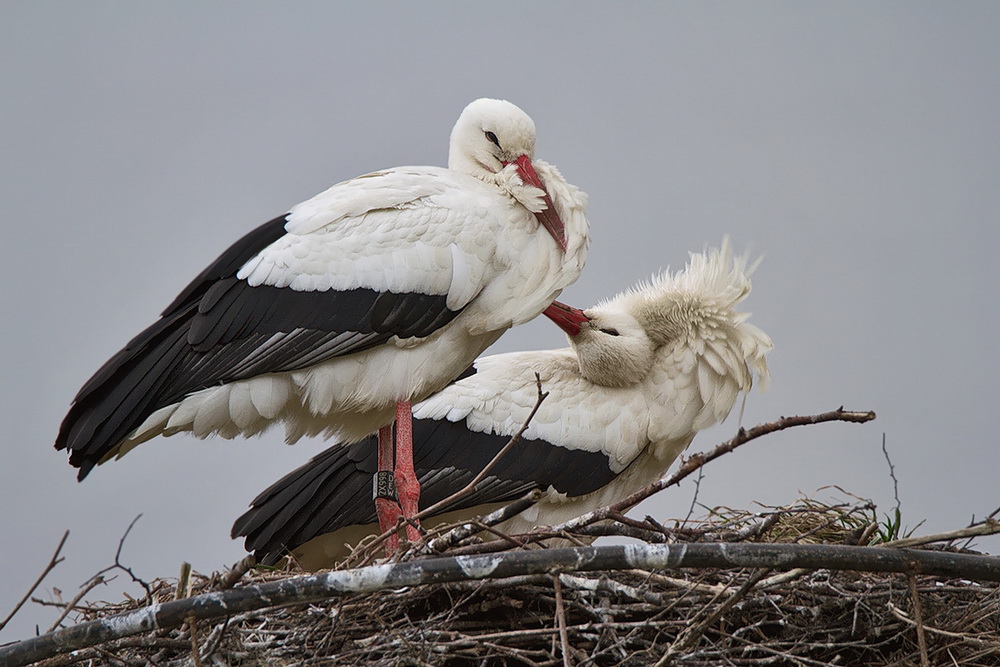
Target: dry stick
{"points": [[561, 616], [673, 582], [193, 631], [91, 584], [611, 586], [229, 579], [994, 647], [215, 639], [183, 589], [866, 534], [892, 473], [99, 579], [372, 546], [55, 560], [694, 498], [692, 634], [988, 527], [489, 466], [696, 461], [118, 565], [307, 589], [469, 528], [918, 616]]}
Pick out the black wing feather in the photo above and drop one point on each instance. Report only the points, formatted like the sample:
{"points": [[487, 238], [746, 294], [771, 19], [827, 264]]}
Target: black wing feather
{"points": [[333, 490], [220, 329]]}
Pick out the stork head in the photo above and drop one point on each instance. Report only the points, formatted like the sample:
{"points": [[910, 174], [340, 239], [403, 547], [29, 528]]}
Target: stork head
{"points": [[618, 341], [696, 309], [494, 141], [611, 346]]}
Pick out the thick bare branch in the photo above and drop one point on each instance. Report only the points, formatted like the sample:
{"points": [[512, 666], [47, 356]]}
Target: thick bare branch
{"points": [[300, 590]]}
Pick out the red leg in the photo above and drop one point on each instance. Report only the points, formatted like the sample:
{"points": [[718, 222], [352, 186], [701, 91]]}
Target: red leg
{"points": [[386, 508], [407, 485]]}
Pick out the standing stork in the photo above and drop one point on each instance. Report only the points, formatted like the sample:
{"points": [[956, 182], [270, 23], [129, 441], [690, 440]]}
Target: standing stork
{"points": [[334, 317], [644, 373]]}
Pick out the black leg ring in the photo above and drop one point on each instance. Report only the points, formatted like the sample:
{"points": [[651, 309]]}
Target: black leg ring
{"points": [[384, 485]]}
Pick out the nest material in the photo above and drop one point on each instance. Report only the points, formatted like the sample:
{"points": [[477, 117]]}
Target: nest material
{"points": [[692, 617]]}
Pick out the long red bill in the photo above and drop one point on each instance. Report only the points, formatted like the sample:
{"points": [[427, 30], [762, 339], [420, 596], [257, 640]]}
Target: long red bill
{"points": [[567, 318], [548, 218]]}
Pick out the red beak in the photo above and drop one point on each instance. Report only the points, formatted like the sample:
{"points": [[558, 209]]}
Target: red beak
{"points": [[567, 318], [547, 218]]}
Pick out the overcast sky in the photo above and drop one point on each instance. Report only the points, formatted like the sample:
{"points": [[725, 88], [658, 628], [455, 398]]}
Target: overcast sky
{"points": [[855, 146]]}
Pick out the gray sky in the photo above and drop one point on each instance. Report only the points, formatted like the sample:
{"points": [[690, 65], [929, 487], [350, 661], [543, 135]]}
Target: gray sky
{"points": [[855, 145]]}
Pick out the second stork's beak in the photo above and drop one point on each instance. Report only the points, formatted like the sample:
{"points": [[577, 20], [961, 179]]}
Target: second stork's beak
{"points": [[567, 318]]}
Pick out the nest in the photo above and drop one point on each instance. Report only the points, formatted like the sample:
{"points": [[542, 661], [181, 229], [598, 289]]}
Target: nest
{"points": [[629, 617]]}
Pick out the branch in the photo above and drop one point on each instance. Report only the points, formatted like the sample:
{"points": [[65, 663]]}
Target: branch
{"points": [[696, 461], [689, 637], [55, 560], [470, 528], [118, 563], [988, 527], [468, 488], [693, 463], [368, 551], [303, 590]]}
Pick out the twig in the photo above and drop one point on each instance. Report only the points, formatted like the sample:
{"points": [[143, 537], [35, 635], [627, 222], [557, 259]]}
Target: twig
{"points": [[561, 619], [993, 647], [183, 588], [693, 633], [677, 583], [193, 631], [470, 528], [55, 560], [611, 586], [691, 464], [696, 461], [694, 498], [918, 617], [369, 549], [215, 639], [90, 585], [866, 534], [468, 488], [118, 564], [784, 577], [229, 579], [892, 474], [989, 527]]}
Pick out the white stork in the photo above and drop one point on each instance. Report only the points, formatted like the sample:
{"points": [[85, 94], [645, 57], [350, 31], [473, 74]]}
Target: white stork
{"points": [[334, 317], [646, 370]]}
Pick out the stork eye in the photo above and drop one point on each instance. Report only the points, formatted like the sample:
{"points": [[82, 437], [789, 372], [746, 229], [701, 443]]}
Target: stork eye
{"points": [[611, 332], [492, 137]]}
